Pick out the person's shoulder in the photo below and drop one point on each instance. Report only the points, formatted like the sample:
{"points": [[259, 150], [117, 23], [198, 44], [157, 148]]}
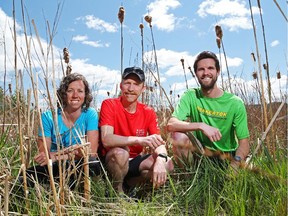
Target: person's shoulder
{"points": [[111, 101], [145, 107], [232, 97], [90, 110]]}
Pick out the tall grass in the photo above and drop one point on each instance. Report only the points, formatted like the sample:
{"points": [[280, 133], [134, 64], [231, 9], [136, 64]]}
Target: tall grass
{"points": [[200, 188]]}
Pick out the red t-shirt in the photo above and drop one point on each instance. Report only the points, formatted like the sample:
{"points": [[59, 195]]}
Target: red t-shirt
{"points": [[141, 123]]}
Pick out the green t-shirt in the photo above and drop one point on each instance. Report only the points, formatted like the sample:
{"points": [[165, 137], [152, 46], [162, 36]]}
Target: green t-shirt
{"points": [[227, 113]]}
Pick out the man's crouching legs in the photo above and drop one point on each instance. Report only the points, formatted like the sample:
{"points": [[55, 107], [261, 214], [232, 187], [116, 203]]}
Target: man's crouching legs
{"points": [[117, 162], [182, 148]]}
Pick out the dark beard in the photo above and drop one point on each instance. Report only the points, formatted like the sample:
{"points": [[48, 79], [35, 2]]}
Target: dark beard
{"points": [[209, 86]]}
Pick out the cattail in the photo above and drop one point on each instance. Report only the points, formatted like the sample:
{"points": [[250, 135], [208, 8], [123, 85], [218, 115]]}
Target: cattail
{"points": [[254, 74], [10, 88], [253, 57], [121, 14], [141, 26], [182, 62], [155, 83], [178, 96], [108, 93], [278, 75], [171, 92], [265, 66], [66, 55], [218, 41], [219, 32], [190, 69], [148, 19]]}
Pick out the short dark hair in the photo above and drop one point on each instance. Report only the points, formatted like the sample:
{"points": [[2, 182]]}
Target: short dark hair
{"points": [[62, 90], [134, 70], [205, 55]]}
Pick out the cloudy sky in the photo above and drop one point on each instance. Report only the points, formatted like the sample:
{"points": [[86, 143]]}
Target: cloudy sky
{"points": [[180, 30]]}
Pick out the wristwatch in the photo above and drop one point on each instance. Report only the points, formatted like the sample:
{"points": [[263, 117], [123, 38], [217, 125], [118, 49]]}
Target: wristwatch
{"points": [[237, 158], [163, 155]]}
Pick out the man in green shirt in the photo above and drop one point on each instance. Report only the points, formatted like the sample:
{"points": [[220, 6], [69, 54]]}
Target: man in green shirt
{"points": [[218, 119]]}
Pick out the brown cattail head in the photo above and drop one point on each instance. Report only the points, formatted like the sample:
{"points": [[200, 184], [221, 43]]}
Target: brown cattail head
{"points": [[141, 26], [155, 83], [148, 19], [219, 32], [265, 66], [178, 96], [253, 57], [182, 62], [66, 55], [278, 75], [218, 41], [108, 93], [121, 14], [254, 74], [171, 92], [10, 88]]}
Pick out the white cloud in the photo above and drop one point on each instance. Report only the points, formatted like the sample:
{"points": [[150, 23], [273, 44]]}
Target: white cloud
{"points": [[161, 18], [84, 40], [80, 38], [96, 44], [98, 24], [235, 23], [232, 14], [274, 43]]}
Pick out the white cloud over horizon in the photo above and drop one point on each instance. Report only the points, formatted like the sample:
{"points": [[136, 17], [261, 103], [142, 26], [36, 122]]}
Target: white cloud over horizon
{"points": [[162, 18], [98, 24], [232, 14]]}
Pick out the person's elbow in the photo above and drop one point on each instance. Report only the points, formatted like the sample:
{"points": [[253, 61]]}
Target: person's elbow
{"points": [[171, 124], [105, 141]]}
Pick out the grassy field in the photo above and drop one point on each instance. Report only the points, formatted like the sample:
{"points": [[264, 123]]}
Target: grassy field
{"points": [[200, 188]]}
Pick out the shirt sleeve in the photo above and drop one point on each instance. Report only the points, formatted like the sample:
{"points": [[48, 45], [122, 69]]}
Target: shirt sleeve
{"points": [[182, 110], [92, 119], [107, 113], [240, 122], [47, 123], [153, 123]]}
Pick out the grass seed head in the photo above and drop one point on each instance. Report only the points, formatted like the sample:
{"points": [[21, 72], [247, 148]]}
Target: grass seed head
{"points": [[218, 41], [253, 57], [254, 74], [219, 32], [148, 19], [278, 75], [121, 14]]}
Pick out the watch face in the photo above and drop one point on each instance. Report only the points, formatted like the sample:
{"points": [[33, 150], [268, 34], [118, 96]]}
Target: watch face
{"points": [[237, 158]]}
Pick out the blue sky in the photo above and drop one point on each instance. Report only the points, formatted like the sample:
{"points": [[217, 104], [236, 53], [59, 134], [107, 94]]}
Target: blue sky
{"points": [[181, 29]]}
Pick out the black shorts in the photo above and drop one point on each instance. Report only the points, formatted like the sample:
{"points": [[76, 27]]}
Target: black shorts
{"points": [[134, 164]]}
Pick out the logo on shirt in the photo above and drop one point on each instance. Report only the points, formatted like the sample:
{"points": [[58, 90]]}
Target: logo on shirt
{"points": [[140, 132], [214, 114]]}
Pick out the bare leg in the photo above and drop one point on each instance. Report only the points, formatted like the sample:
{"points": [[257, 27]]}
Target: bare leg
{"points": [[117, 165], [146, 169], [182, 148]]}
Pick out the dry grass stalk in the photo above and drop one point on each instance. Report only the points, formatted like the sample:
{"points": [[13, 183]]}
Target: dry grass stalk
{"points": [[121, 14], [219, 36], [260, 74], [148, 19], [182, 62], [18, 109]]}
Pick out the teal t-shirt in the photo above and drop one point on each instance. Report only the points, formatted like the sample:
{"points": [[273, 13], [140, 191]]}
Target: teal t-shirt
{"points": [[227, 113], [87, 121]]}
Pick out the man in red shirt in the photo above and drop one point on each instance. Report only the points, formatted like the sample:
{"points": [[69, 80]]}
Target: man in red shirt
{"points": [[128, 126]]}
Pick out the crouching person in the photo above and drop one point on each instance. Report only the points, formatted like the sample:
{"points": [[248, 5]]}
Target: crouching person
{"points": [[76, 119], [128, 126], [217, 119]]}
